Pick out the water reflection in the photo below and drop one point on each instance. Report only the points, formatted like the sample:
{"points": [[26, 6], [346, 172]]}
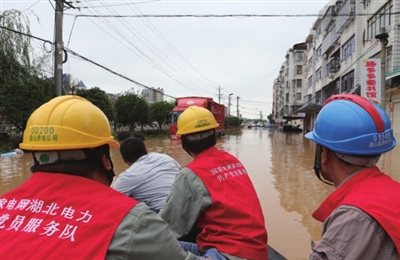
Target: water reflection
{"points": [[280, 166]]}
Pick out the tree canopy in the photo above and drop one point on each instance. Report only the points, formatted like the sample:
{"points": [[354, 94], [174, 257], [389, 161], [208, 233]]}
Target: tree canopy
{"points": [[23, 86], [18, 100], [99, 98], [159, 112], [131, 110]]}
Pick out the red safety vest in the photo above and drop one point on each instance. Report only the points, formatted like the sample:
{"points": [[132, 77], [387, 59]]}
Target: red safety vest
{"points": [[375, 193], [234, 224], [54, 216]]}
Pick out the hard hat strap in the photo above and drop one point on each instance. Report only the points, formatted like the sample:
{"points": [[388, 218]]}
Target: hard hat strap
{"points": [[317, 164], [50, 157]]}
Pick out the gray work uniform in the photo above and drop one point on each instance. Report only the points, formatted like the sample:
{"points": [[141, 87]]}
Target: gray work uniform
{"points": [[187, 187], [142, 234], [350, 233]]}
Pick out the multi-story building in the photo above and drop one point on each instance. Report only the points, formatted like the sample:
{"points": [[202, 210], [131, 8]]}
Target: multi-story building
{"points": [[153, 95], [345, 34], [292, 75]]}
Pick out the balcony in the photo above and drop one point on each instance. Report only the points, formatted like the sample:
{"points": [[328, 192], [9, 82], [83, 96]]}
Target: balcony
{"points": [[346, 15], [330, 40]]}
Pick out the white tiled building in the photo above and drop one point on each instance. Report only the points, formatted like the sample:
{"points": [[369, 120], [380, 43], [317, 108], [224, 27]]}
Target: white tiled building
{"points": [[153, 94], [342, 36]]}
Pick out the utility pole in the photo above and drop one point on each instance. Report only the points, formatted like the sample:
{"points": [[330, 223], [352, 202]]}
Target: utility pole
{"points": [[58, 47], [219, 94], [383, 38], [229, 104], [237, 106]]}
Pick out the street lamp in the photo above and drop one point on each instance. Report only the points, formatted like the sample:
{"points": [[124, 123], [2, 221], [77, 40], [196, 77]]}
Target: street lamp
{"points": [[229, 104]]}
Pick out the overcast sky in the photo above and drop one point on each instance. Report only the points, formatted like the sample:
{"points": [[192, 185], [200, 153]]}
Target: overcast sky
{"points": [[196, 56]]}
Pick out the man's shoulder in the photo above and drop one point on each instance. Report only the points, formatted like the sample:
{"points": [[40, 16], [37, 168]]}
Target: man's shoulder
{"points": [[161, 156]]}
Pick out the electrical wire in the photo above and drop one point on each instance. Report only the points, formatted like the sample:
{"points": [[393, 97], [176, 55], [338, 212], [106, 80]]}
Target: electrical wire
{"points": [[171, 47], [144, 56], [29, 7], [230, 15], [90, 61]]}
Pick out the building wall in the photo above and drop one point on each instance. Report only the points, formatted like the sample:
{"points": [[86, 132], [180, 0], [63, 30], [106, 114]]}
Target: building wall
{"points": [[153, 95], [343, 27]]}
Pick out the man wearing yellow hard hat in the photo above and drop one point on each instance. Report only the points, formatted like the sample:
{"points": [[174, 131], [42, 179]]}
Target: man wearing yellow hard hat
{"points": [[66, 209], [214, 194]]}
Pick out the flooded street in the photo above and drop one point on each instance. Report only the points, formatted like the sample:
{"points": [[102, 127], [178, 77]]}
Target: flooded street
{"points": [[280, 166]]}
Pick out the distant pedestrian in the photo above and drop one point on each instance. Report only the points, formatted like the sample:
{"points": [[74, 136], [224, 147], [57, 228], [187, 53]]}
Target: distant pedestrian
{"points": [[362, 215], [149, 176]]}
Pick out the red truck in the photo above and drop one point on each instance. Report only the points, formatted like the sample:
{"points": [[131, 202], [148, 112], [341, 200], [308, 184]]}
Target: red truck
{"points": [[182, 103]]}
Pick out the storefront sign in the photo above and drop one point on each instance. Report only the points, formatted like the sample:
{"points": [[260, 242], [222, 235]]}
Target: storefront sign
{"points": [[371, 79]]}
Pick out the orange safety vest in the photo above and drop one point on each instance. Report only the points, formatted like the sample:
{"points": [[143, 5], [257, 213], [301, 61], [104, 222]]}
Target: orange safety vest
{"points": [[234, 224], [55, 215], [372, 191]]}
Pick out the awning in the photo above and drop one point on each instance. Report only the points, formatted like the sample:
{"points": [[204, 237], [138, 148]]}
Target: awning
{"points": [[293, 117], [393, 74], [309, 108], [393, 79]]}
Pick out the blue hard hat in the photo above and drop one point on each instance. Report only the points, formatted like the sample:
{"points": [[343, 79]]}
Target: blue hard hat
{"points": [[351, 124]]}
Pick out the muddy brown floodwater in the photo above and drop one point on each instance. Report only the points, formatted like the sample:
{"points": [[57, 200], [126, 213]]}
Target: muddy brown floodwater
{"points": [[280, 166]]}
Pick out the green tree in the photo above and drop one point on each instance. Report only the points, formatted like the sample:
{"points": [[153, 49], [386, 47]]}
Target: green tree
{"points": [[23, 85], [159, 112], [131, 110], [99, 98], [18, 100], [231, 121], [16, 59]]}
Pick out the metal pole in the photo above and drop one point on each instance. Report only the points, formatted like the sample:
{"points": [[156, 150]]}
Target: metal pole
{"points": [[58, 47], [383, 38], [383, 74], [237, 107], [229, 104]]}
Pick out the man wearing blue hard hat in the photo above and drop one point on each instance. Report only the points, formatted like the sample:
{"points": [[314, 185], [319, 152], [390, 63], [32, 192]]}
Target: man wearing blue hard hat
{"points": [[362, 215]]}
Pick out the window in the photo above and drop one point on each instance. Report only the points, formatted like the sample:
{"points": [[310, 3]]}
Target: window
{"points": [[299, 69], [318, 74], [310, 63], [299, 83], [318, 31], [310, 82], [348, 48], [309, 46], [347, 82], [381, 19], [298, 96], [318, 53], [299, 56], [332, 67]]}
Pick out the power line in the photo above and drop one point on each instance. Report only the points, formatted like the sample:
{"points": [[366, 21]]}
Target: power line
{"points": [[88, 60], [166, 66], [115, 73], [228, 15]]}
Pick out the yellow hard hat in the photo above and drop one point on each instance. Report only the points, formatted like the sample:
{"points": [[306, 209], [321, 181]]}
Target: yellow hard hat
{"points": [[195, 119], [67, 122]]}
